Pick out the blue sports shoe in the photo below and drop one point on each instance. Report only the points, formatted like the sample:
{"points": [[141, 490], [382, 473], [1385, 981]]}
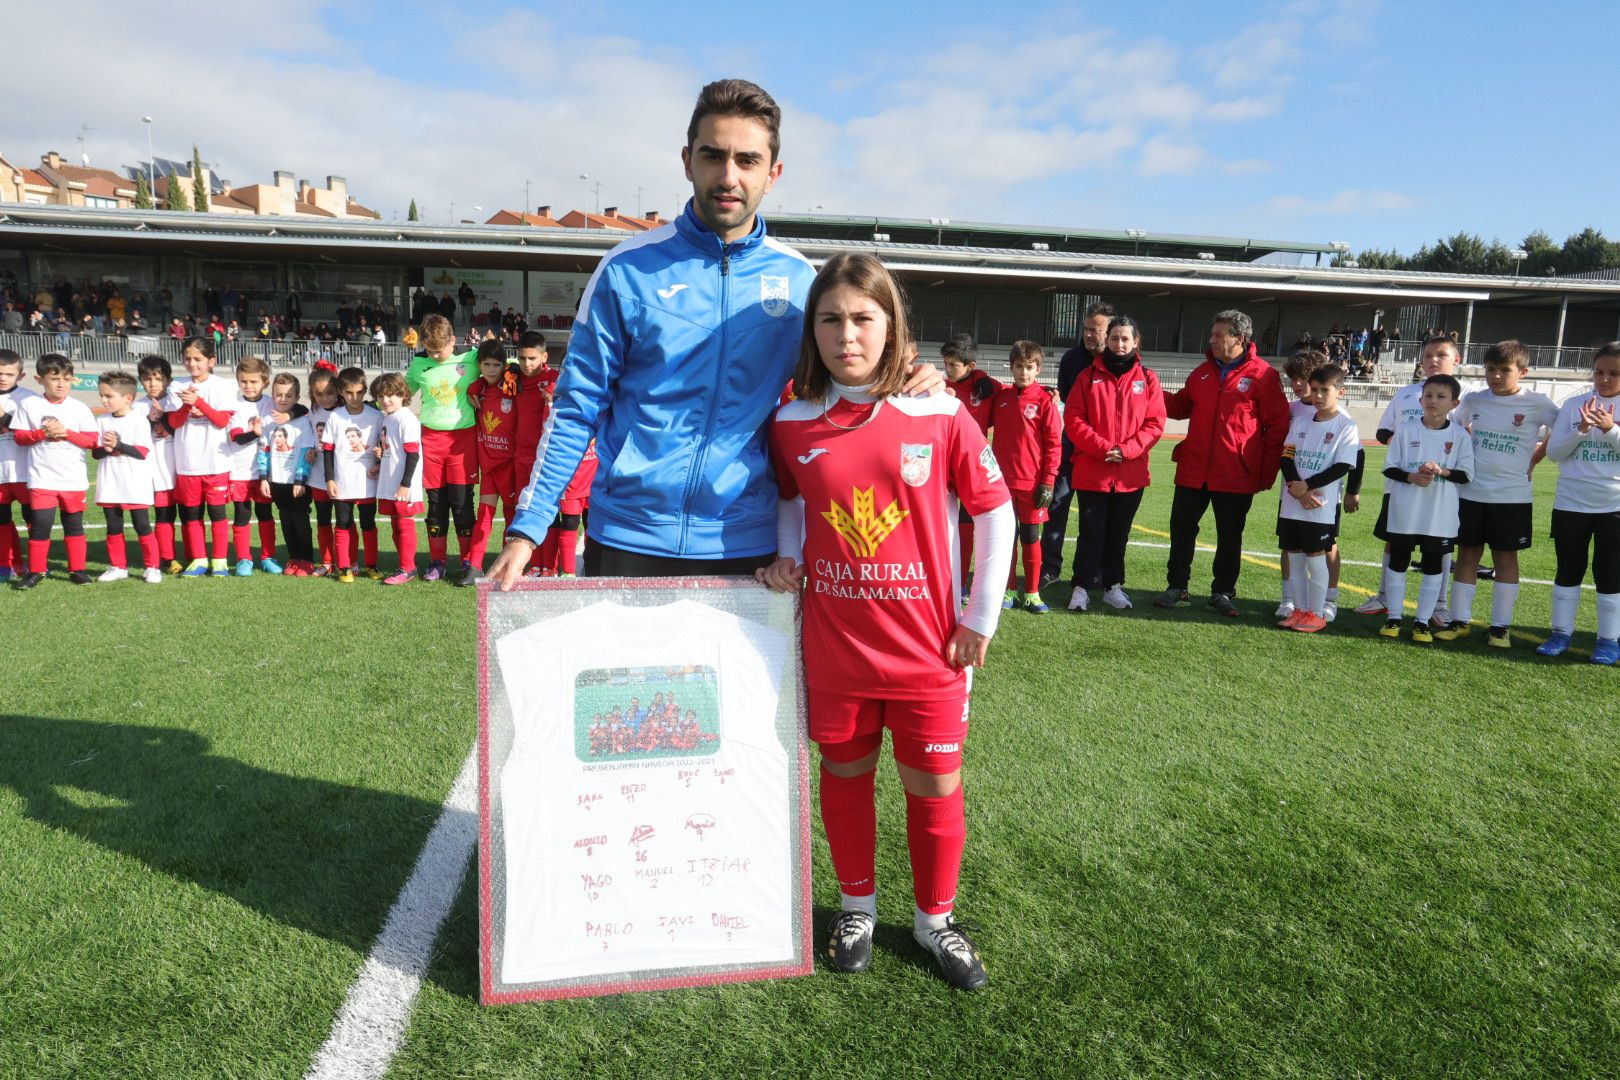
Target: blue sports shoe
{"points": [[1556, 644], [270, 566], [5, 573], [244, 568], [1009, 600], [1606, 652], [1037, 605], [198, 568]]}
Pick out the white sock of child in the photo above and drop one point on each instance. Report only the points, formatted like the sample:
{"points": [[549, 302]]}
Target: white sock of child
{"points": [[1503, 597], [1429, 595], [1332, 595], [1566, 599], [1394, 592], [922, 921], [1316, 576], [1383, 568], [1296, 579], [867, 903], [1608, 605], [1462, 600]]}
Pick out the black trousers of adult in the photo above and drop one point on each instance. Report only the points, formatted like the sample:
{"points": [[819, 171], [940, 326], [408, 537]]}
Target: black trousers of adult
{"points": [[1186, 511], [1105, 529], [604, 560], [1057, 523], [294, 521]]}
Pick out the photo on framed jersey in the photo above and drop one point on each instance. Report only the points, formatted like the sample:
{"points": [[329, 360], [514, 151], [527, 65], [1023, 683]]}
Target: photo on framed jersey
{"points": [[644, 787]]}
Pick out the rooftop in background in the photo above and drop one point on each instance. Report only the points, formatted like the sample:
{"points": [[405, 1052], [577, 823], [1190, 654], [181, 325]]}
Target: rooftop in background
{"points": [[945, 232]]}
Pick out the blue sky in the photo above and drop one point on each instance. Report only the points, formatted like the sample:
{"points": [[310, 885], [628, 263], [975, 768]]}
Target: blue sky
{"points": [[1382, 125]]}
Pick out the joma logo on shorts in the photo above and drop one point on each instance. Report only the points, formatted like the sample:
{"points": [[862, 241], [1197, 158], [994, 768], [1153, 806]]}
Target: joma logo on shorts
{"points": [[941, 747]]}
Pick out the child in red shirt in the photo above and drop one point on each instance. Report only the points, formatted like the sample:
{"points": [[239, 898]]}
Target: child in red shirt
{"points": [[537, 380], [494, 396], [869, 482], [1028, 445]]}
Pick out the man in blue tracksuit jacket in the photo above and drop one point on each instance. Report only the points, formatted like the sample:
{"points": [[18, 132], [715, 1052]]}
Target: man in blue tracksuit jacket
{"points": [[685, 338]]}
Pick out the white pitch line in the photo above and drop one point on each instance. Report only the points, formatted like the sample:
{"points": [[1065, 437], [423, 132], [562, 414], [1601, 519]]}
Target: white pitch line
{"points": [[1275, 554], [368, 1030]]}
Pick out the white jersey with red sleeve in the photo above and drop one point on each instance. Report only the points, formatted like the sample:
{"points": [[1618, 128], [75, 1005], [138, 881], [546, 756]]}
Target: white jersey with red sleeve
{"points": [[243, 455], [122, 480], [880, 483], [317, 418], [352, 438], [56, 464], [199, 445], [401, 434], [13, 458], [162, 455]]}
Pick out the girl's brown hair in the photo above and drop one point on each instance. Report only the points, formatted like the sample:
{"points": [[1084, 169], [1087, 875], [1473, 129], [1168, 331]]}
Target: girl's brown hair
{"points": [[437, 333], [866, 275]]}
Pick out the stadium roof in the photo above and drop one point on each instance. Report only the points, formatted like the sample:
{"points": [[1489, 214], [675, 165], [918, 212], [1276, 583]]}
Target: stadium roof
{"points": [[161, 232]]}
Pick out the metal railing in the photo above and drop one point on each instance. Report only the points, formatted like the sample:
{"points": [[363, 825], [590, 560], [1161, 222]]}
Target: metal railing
{"points": [[127, 351], [1404, 356]]}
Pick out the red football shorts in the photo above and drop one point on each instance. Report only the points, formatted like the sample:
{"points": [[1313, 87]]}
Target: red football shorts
{"points": [[247, 491], [214, 490], [573, 506], [123, 506], [394, 508], [10, 493], [69, 502], [449, 457], [927, 735], [498, 478], [163, 498], [318, 493], [1025, 511]]}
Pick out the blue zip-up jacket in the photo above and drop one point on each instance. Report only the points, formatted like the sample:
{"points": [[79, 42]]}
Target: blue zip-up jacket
{"points": [[680, 352]]}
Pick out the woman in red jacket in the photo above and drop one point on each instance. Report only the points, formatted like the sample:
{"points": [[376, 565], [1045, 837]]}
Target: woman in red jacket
{"points": [[1114, 415]]}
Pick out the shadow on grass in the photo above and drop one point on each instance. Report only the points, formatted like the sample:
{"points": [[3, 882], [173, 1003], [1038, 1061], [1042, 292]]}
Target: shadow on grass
{"points": [[321, 857]]}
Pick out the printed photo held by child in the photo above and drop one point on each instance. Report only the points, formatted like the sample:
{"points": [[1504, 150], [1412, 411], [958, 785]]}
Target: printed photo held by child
{"points": [[870, 482]]}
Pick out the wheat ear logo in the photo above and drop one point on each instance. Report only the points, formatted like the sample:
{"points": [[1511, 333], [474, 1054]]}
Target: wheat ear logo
{"points": [[862, 529], [491, 422]]}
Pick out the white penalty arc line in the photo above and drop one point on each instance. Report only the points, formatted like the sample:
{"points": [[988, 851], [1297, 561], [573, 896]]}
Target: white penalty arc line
{"points": [[368, 1030]]}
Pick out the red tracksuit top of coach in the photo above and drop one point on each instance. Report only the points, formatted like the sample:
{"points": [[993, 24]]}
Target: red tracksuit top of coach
{"points": [[1105, 411], [1027, 439], [1238, 425]]}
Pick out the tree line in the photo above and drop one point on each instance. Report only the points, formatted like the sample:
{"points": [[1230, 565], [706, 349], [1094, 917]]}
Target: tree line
{"points": [[1467, 253]]}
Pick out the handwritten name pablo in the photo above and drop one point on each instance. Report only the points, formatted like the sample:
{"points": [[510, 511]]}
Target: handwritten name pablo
{"points": [[871, 581]]}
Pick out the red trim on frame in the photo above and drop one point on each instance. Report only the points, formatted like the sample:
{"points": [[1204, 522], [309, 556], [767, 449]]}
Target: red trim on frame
{"points": [[488, 995]]}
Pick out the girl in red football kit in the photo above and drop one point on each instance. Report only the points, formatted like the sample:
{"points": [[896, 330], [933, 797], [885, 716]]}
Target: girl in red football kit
{"points": [[869, 482]]}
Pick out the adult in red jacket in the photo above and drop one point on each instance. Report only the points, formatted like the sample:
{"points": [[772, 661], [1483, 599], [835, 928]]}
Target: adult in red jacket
{"points": [[1237, 421], [1113, 418]]}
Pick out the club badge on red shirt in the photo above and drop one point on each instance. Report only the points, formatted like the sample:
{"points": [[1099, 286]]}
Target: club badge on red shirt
{"points": [[916, 463]]}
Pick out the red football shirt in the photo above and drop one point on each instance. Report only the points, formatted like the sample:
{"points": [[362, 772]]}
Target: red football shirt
{"points": [[1026, 439], [976, 391], [533, 407], [497, 422], [880, 491]]}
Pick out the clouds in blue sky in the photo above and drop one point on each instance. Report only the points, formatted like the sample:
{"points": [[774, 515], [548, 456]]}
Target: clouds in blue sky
{"points": [[1294, 118]]}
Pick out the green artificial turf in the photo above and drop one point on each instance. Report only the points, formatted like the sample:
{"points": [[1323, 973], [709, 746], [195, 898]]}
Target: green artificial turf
{"points": [[1197, 846]]}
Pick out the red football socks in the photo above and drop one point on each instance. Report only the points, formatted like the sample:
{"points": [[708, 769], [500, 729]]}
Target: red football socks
{"points": [[369, 536], [1032, 569], [482, 528], [327, 551], [196, 543], [39, 556], [76, 549], [936, 832], [345, 548], [849, 815], [405, 542], [241, 541], [164, 532], [567, 550], [437, 547], [116, 555], [267, 539], [149, 550], [9, 542], [222, 538]]}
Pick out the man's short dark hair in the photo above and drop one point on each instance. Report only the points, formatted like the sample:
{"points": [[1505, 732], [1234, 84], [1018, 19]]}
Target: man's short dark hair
{"points": [[960, 347], [738, 97], [1239, 324], [1102, 307]]}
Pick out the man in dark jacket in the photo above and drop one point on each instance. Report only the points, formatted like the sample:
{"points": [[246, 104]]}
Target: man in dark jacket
{"points": [[1237, 419]]}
